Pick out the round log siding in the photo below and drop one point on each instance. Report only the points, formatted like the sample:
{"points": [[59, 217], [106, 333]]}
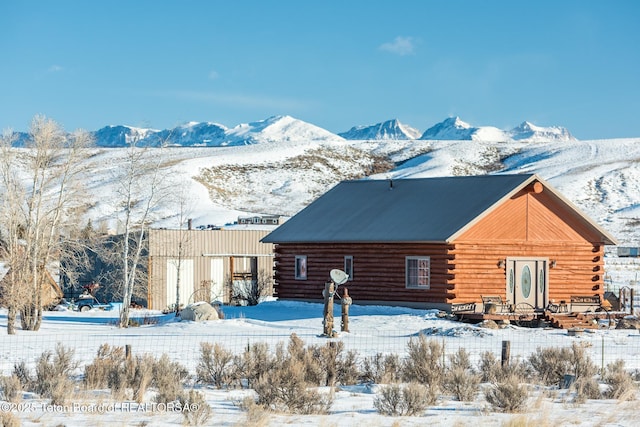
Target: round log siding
{"points": [[460, 272], [378, 271], [577, 270]]}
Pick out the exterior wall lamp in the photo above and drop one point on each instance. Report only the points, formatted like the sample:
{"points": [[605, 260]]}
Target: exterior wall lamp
{"points": [[502, 263], [552, 263]]}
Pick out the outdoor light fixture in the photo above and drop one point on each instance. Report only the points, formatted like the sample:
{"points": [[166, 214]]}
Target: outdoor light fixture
{"points": [[552, 263], [502, 263]]}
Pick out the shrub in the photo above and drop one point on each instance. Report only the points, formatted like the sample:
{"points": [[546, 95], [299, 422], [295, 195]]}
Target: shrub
{"points": [[410, 399], [460, 359], [252, 364], [195, 409], [489, 367], [7, 419], [142, 376], [585, 388], [10, 388], [348, 371], [257, 415], [168, 377], [53, 371], [508, 395], [424, 362], [462, 383], [284, 389], [619, 383], [381, 369], [552, 364], [98, 372], [21, 371], [324, 365], [581, 364], [215, 365]]}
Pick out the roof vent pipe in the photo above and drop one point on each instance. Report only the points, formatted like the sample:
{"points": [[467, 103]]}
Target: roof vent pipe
{"points": [[390, 184]]}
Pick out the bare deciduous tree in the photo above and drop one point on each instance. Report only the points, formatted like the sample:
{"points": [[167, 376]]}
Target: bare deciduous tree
{"points": [[142, 186], [184, 235], [42, 199]]}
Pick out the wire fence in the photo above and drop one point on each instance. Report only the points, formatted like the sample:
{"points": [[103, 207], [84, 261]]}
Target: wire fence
{"points": [[603, 346]]}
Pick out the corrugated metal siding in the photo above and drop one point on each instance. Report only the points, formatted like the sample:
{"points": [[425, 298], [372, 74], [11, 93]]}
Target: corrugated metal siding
{"points": [[201, 246]]}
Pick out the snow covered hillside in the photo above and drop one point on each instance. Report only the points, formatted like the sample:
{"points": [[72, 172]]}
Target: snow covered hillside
{"points": [[602, 177], [279, 165]]}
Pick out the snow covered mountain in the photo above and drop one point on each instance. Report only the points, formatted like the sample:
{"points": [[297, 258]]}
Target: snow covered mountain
{"points": [[207, 134], [287, 128], [454, 129], [391, 129], [529, 132]]}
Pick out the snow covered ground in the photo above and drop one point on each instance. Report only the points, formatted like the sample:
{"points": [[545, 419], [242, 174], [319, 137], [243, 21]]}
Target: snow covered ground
{"points": [[373, 329], [601, 177]]}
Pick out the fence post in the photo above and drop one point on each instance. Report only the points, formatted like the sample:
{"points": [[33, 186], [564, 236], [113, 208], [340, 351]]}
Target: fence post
{"points": [[127, 351], [506, 353], [602, 361]]}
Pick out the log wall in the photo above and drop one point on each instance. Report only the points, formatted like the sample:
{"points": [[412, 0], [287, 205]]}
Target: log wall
{"points": [[578, 268], [378, 271]]}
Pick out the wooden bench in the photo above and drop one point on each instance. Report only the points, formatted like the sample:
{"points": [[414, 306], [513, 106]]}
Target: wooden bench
{"points": [[493, 300], [585, 302]]}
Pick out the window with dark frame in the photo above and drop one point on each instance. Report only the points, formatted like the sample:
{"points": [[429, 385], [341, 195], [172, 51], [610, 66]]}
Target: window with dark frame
{"points": [[301, 267], [417, 270], [348, 266]]}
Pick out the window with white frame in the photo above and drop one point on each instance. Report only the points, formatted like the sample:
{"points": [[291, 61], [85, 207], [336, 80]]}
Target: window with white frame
{"points": [[348, 266], [417, 270], [301, 267]]}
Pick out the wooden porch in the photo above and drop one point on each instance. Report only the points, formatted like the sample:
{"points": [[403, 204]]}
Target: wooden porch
{"points": [[576, 320]]}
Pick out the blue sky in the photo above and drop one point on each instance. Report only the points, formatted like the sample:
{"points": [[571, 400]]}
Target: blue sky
{"points": [[335, 64]]}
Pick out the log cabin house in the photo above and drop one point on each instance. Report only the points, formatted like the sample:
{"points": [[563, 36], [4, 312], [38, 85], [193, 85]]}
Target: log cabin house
{"points": [[442, 243]]}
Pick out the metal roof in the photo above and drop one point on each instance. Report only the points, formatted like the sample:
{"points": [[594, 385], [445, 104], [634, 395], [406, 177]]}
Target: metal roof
{"points": [[402, 210]]}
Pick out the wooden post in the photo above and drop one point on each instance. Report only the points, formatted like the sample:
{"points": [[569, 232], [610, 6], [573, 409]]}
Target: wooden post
{"points": [[346, 302], [328, 309], [632, 311], [127, 351], [506, 353]]}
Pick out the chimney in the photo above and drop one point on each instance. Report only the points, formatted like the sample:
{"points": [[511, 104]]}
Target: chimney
{"points": [[189, 223]]}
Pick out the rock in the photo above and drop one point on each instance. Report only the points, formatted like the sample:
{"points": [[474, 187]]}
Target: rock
{"points": [[489, 324], [199, 311], [628, 323]]}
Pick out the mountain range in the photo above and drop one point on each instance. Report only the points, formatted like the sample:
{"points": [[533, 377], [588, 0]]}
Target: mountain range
{"points": [[278, 128], [281, 164]]}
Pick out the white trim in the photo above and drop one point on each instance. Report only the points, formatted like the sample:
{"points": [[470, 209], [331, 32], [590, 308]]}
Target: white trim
{"points": [[406, 271]]}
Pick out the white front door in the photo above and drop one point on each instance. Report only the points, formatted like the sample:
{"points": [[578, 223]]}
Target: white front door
{"points": [[527, 281]]}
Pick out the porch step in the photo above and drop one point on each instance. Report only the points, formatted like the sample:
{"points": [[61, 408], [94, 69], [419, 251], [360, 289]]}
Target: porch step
{"points": [[570, 321]]}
